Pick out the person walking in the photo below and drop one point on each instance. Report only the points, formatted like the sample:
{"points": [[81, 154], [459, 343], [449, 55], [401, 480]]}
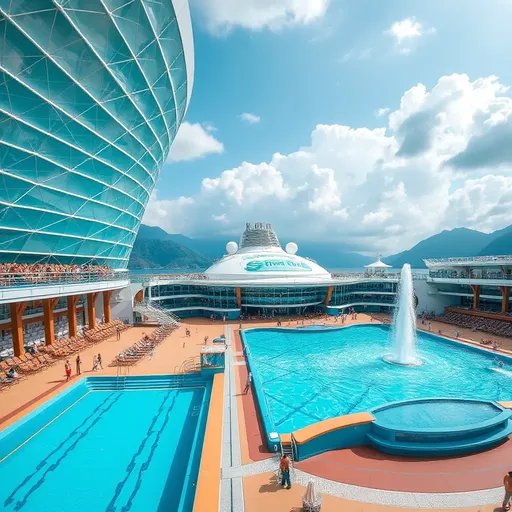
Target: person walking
{"points": [[284, 466], [78, 365], [100, 364], [248, 383], [67, 367], [507, 483], [118, 332]]}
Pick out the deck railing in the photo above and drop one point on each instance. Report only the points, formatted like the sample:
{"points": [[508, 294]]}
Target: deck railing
{"points": [[501, 259], [446, 274], [30, 279]]}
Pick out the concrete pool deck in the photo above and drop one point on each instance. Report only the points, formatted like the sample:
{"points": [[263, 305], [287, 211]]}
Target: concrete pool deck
{"points": [[348, 480]]}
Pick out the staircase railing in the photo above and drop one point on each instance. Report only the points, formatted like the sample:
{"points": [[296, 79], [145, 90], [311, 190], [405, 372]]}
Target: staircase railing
{"points": [[153, 310], [122, 373]]}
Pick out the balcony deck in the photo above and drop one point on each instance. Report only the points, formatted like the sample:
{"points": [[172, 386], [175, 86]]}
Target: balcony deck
{"points": [[22, 287]]}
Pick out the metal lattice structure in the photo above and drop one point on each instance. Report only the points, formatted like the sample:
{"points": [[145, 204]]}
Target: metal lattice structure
{"points": [[261, 235], [92, 93]]}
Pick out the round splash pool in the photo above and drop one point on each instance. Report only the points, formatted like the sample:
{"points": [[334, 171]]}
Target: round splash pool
{"points": [[423, 415], [439, 426]]}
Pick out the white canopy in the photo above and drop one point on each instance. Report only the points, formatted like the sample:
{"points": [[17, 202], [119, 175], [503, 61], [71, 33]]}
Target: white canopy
{"points": [[377, 264]]}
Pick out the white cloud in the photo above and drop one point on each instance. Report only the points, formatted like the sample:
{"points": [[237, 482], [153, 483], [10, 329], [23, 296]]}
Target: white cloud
{"points": [[194, 141], [222, 16], [354, 54], [382, 111], [250, 118], [406, 32], [443, 161]]}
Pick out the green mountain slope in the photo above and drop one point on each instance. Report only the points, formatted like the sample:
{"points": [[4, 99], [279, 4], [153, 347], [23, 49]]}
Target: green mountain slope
{"points": [[447, 244], [155, 253], [500, 245]]}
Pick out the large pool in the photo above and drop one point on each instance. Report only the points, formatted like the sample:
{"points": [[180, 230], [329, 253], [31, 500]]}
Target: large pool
{"points": [[136, 450], [305, 376]]}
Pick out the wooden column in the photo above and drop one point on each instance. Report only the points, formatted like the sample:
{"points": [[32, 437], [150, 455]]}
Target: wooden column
{"points": [[476, 295], [107, 294], [17, 309], [238, 297], [49, 329], [72, 300], [91, 309], [329, 295], [505, 298]]}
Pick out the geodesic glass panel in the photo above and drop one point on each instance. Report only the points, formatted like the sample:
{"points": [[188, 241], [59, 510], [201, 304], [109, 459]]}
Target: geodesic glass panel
{"points": [[91, 97]]}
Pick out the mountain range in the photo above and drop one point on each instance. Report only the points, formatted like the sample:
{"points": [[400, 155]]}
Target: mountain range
{"points": [[155, 248]]}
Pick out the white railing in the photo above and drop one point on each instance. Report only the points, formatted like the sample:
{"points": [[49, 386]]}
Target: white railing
{"points": [[30, 279], [157, 313], [440, 274], [505, 259], [334, 277]]}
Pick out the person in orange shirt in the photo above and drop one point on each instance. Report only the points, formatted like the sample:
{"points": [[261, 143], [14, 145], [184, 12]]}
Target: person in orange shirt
{"points": [[507, 482], [284, 466]]}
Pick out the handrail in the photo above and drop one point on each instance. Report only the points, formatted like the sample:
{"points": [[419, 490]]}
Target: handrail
{"points": [[334, 276], [467, 259], [454, 274], [20, 279]]}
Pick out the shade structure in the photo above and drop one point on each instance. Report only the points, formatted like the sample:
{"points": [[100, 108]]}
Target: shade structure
{"points": [[311, 501]]}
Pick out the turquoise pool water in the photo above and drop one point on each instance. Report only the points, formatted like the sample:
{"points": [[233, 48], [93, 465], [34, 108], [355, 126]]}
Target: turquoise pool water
{"points": [[436, 414], [307, 376], [110, 451]]}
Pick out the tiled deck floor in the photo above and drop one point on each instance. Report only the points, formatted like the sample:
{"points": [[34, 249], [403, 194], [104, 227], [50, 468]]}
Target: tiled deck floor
{"points": [[260, 491]]}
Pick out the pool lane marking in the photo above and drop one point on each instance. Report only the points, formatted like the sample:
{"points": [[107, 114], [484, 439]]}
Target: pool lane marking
{"points": [[42, 428]]}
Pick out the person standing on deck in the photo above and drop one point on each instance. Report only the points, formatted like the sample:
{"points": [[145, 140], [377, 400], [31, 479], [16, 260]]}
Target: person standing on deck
{"points": [[507, 482], [67, 367], [284, 466], [248, 383], [78, 364]]}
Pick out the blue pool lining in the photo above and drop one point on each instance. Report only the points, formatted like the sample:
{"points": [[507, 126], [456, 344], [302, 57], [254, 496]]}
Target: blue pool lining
{"points": [[264, 410], [200, 428], [502, 415], [81, 387], [257, 387], [44, 406]]}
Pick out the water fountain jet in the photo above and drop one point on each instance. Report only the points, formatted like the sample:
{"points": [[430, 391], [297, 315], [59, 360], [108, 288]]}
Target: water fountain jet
{"points": [[404, 324]]}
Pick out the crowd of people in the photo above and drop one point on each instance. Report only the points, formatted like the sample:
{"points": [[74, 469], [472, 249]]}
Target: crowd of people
{"points": [[33, 273]]}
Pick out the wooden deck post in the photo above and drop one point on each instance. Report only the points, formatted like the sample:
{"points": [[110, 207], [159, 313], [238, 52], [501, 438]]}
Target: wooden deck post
{"points": [[17, 309]]}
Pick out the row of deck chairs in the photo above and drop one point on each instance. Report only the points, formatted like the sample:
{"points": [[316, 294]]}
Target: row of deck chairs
{"points": [[145, 346], [476, 323], [48, 355]]}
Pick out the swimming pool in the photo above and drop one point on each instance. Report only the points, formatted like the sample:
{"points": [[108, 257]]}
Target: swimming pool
{"points": [[109, 450], [306, 376]]}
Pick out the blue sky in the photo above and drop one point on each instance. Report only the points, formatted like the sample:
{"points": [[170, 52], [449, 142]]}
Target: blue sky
{"points": [[336, 69]]}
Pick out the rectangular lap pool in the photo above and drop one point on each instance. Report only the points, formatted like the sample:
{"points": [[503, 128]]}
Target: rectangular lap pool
{"points": [[93, 449]]}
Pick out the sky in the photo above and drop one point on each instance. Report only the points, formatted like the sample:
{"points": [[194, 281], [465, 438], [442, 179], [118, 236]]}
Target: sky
{"points": [[372, 123]]}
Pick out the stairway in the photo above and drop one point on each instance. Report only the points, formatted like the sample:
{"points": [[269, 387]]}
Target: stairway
{"points": [[151, 309], [126, 382]]}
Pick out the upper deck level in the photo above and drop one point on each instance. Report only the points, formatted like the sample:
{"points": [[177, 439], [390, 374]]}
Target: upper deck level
{"points": [[213, 280], [23, 286], [477, 270]]}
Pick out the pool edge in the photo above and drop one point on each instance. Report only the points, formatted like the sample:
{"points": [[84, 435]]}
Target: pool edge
{"points": [[207, 496], [274, 440]]}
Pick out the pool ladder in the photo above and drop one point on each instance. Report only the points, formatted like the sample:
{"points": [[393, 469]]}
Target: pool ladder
{"points": [[122, 373]]}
